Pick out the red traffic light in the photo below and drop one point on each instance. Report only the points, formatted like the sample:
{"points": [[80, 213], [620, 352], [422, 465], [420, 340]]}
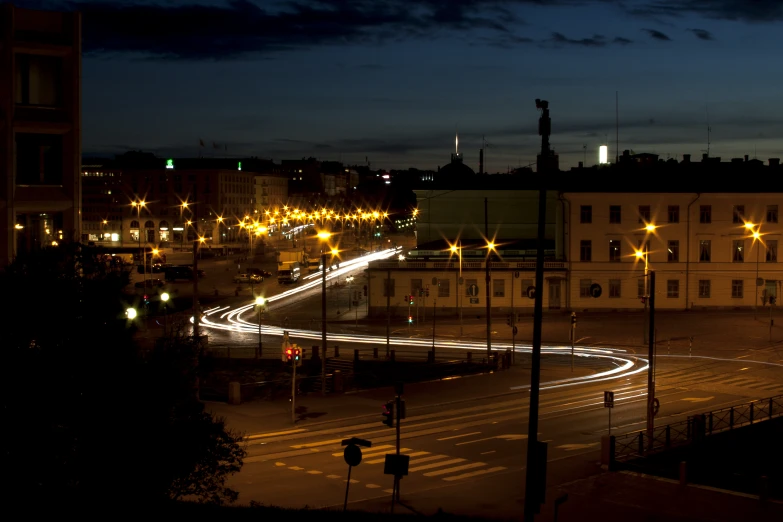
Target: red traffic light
{"points": [[289, 351]]}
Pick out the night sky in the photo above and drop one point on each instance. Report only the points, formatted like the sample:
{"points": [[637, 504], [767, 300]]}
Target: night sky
{"points": [[393, 81]]}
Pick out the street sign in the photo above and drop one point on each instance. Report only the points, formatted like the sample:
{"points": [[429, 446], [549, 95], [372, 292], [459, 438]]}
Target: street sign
{"points": [[474, 300], [516, 274], [608, 399], [531, 292], [396, 465], [473, 290], [352, 455], [595, 290], [516, 330]]}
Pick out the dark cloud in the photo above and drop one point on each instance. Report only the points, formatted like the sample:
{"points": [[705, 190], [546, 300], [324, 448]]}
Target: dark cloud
{"points": [[597, 40], [702, 34], [193, 30], [657, 35], [745, 10]]}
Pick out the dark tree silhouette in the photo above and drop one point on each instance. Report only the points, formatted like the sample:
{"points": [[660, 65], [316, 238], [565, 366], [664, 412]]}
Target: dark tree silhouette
{"points": [[87, 416]]}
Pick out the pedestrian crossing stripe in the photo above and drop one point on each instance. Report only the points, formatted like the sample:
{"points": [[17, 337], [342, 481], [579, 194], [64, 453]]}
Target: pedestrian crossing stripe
{"points": [[453, 470], [416, 454], [475, 473], [436, 465], [372, 451]]}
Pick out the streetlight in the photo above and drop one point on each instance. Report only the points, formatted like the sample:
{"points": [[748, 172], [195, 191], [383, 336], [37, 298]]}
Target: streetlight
{"points": [[457, 249], [260, 302], [323, 236], [644, 254], [130, 313], [164, 298], [490, 249], [756, 237]]}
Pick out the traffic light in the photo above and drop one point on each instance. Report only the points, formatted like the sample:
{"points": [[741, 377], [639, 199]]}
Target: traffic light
{"points": [[508, 320], [365, 289], [289, 354], [421, 292], [410, 299], [146, 301], [297, 356], [388, 414], [772, 299], [644, 299], [573, 318], [410, 319], [426, 293]]}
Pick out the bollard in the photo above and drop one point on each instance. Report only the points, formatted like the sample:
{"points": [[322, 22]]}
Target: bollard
{"points": [[470, 358], [508, 358], [668, 346], [316, 352], [430, 356], [337, 381], [763, 489], [391, 355], [683, 473], [375, 352], [356, 355], [336, 351]]}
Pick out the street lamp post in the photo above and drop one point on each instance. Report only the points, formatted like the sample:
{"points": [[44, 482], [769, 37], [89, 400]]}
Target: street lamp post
{"points": [[490, 249], [458, 249], [645, 293], [164, 298], [756, 235], [260, 302], [323, 236]]}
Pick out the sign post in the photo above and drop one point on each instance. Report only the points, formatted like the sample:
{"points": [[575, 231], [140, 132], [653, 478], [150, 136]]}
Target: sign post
{"points": [[609, 404], [353, 457]]}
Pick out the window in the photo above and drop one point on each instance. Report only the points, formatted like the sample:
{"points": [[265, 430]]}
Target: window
{"points": [[468, 284], [736, 288], [38, 80], [526, 283], [738, 214], [705, 214], [644, 214], [586, 214], [673, 288], [772, 213], [674, 213], [614, 250], [498, 288], [673, 250], [614, 288], [443, 287], [738, 250], [615, 214], [705, 250], [772, 250], [39, 159], [388, 287], [584, 287], [585, 250], [704, 288], [416, 288]]}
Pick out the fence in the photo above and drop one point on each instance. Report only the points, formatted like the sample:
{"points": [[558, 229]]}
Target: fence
{"points": [[635, 445]]}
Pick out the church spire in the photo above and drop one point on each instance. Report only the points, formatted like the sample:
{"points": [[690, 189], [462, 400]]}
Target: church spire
{"points": [[456, 143]]}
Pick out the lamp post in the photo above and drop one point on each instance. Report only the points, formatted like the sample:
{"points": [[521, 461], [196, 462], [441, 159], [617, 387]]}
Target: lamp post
{"points": [[323, 236], [458, 250], [260, 302], [643, 254], [490, 249], [756, 235]]}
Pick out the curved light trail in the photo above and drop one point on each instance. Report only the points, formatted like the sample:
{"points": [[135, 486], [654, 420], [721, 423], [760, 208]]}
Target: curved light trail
{"points": [[230, 319]]}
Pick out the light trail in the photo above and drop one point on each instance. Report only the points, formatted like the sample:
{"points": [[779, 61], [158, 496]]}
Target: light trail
{"points": [[230, 319]]}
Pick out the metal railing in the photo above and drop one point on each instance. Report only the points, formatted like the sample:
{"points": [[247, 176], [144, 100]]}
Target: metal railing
{"points": [[634, 445]]}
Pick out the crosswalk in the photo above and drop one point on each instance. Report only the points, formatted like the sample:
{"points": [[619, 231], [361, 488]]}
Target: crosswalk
{"points": [[436, 465], [687, 377]]}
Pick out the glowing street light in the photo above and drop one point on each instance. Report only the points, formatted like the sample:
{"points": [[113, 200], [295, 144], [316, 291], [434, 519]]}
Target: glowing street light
{"points": [[260, 302], [130, 313]]}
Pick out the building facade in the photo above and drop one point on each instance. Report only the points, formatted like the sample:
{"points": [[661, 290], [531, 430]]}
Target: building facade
{"points": [[102, 202], [710, 244], [40, 129], [271, 191]]}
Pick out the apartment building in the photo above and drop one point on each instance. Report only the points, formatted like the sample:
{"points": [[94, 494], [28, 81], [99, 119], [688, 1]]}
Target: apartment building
{"points": [[40, 129]]}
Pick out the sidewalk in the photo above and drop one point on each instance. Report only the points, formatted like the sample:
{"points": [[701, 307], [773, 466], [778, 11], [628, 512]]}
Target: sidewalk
{"points": [[313, 409]]}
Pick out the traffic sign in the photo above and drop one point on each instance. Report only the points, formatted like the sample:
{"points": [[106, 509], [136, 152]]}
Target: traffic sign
{"points": [[473, 290], [608, 399], [352, 455], [515, 330], [531, 292], [655, 406], [396, 465], [595, 290]]}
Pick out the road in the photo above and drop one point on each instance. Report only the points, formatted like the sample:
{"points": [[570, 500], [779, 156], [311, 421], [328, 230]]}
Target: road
{"points": [[470, 457]]}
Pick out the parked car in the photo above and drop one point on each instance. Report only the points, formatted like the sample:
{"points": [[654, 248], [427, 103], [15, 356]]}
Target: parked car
{"points": [[263, 274], [247, 278]]}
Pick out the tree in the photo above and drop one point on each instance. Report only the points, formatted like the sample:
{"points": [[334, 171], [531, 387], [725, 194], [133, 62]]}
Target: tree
{"points": [[88, 415]]}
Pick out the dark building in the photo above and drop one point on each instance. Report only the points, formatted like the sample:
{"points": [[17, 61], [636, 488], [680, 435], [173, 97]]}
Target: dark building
{"points": [[40, 129]]}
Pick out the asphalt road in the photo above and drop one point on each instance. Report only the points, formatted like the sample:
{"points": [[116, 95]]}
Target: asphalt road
{"points": [[470, 457]]}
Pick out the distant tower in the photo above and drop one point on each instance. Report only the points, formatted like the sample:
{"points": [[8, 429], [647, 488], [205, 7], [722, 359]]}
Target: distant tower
{"points": [[456, 156]]}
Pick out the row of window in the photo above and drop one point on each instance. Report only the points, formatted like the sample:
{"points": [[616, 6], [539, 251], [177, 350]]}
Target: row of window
{"points": [[672, 288], [615, 288], [673, 214], [673, 250]]}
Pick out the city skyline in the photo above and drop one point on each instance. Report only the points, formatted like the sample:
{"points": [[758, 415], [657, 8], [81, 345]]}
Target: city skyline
{"points": [[393, 83]]}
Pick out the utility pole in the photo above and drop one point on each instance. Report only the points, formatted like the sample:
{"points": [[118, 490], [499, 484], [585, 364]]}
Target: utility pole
{"points": [[434, 301], [488, 280], [651, 363], [388, 311], [196, 311], [535, 476], [323, 323]]}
